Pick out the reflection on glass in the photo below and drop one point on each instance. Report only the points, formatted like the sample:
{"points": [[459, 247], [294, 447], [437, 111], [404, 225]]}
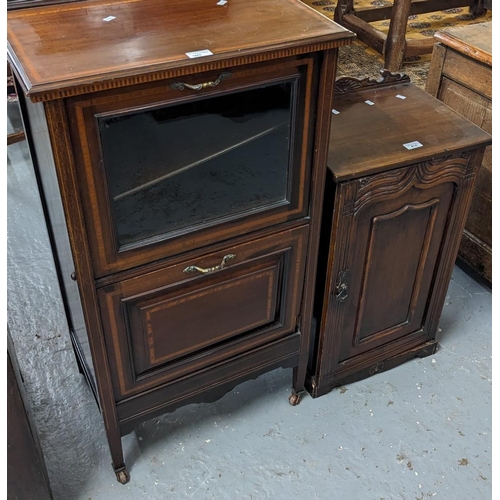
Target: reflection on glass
{"points": [[176, 167]]}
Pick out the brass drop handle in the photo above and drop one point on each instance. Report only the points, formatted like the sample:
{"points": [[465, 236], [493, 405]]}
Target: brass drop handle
{"points": [[199, 86], [207, 270]]}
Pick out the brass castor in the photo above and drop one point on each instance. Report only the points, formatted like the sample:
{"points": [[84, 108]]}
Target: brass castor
{"points": [[122, 476], [294, 398]]}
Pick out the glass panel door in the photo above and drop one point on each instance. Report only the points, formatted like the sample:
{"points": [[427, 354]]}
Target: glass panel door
{"points": [[177, 168]]}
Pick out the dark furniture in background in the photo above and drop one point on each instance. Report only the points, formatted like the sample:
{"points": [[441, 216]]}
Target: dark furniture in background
{"points": [[26, 472], [393, 218], [15, 131], [23, 4], [183, 187], [460, 75], [394, 46]]}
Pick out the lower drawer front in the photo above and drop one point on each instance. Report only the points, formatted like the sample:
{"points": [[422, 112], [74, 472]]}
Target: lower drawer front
{"points": [[208, 385], [186, 317]]}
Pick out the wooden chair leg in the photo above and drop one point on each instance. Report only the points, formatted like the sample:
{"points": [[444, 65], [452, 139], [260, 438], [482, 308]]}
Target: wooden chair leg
{"points": [[395, 44], [343, 7], [479, 7]]}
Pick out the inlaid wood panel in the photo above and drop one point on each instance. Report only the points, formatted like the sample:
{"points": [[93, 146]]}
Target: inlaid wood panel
{"points": [[205, 386], [156, 321], [174, 320]]}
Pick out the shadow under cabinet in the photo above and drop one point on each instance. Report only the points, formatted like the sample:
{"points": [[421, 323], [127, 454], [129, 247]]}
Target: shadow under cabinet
{"points": [[402, 168]]}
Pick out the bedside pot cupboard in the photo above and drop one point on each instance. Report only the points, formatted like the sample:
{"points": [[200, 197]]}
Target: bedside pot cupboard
{"points": [[401, 173], [180, 150]]}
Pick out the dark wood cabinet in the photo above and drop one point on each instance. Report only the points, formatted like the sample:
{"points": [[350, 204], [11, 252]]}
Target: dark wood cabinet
{"points": [[27, 477], [392, 223], [460, 75], [182, 168]]}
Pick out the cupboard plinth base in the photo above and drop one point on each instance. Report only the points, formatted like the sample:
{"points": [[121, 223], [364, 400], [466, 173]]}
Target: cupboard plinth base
{"points": [[347, 374]]}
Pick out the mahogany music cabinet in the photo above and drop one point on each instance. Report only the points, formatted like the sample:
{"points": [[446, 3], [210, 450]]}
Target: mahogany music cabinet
{"points": [[180, 148], [402, 169]]}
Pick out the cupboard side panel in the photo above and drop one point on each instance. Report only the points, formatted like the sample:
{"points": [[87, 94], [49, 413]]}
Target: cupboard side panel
{"points": [[325, 73], [35, 123]]}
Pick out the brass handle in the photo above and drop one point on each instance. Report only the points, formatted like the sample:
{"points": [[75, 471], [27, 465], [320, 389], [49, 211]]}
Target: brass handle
{"points": [[199, 86], [192, 269], [341, 287]]}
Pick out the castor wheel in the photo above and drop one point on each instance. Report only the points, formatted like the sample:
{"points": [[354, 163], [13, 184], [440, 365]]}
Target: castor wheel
{"points": [[122, 476], [294, 398]]}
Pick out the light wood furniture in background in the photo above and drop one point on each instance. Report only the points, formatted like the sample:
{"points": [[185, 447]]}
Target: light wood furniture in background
{"points": [[394, 46], [460, 76]]}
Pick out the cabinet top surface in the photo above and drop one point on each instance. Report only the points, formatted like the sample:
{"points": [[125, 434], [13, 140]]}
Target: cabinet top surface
{"points": [[82, 43], [473, 40], [369, 138]]}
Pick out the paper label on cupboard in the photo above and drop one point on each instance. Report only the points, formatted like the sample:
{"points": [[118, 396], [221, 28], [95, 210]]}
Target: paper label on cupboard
{"points": [[199, 53]]}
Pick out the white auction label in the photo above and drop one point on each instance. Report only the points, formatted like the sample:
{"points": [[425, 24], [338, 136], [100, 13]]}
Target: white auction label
{"points": [[399, 96], [335, 112], [370, 103], [413, 145], [222, 2], [109, 18], [199, 53]]}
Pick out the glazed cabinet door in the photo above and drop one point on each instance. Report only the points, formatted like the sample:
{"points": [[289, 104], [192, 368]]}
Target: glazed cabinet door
{"points": [[390, 243], [192, 314], [182, 164]]}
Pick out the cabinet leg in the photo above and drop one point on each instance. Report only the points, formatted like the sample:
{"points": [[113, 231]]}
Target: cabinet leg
{"points": [[122, 475], [428, 349], [298, 386], [116, 449], [295, 397]]}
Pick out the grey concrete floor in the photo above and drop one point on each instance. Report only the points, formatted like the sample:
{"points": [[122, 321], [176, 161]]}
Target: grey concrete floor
{"points": [[422, 430]]}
